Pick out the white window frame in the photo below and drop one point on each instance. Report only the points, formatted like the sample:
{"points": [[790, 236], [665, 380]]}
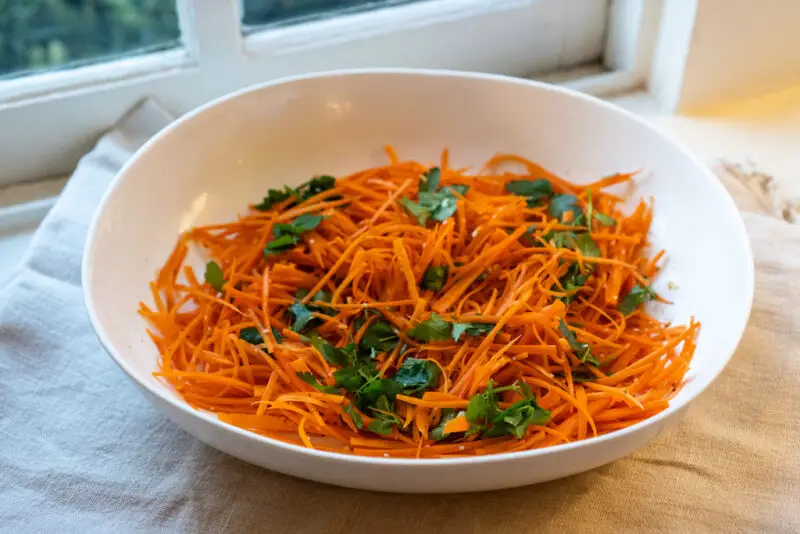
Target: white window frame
{"points": [[48, 120]]}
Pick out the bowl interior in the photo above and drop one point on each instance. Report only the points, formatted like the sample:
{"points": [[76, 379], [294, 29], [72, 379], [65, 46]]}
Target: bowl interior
{"points": [[209, 166]]}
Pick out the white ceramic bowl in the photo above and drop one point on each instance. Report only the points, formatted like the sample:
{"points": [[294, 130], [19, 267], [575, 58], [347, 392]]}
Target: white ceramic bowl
{"points": [[209, 165]]}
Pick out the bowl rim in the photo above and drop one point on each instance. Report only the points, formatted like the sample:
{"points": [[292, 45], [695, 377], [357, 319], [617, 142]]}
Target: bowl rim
{"points": [[176, 402]]}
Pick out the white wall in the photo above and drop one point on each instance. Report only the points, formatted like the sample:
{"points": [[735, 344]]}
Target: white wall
{"points": [[740, 49]]}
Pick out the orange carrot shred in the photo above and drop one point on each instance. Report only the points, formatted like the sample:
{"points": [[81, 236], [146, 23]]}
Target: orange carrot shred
{"points": [[446, 282]]}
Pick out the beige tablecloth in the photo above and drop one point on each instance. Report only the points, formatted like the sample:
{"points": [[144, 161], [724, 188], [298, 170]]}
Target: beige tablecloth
{"points": [[82, 451]]}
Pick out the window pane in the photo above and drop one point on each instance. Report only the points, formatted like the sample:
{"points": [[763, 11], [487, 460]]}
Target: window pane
{"points": [[285, 12], [40, 35]]}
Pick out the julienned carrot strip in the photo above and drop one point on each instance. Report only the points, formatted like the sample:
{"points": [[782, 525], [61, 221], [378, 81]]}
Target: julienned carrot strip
{"points": [[459, 424], [380, 260], [433, 404]]}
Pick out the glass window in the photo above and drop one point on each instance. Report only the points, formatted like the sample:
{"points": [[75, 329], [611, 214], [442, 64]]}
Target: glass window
{"points": [[286, 12], [40, 35]]}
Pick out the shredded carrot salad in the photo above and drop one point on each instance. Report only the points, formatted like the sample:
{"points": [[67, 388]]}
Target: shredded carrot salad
{"points": [[415, 311]]}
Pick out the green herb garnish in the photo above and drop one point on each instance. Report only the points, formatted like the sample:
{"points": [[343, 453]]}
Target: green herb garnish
{"points": [[575, 278], [471, 329], [385, 419], [340, 357], [288, 235], [310, 379], [591, 215], [432, 204], [429, 181], [516, 419], [302, 316], [316, 186], [561, 204], [637, 296], [214, 275], [277, 334], [275, 196], [434, 277], [419, 212], [572, 281], [372, 394], [251, 335], [433, 329], [380, 336], [485, 415], [581, 350], [311, 188], [602, 218], [437, 433], [358, 421], [535, 190], [359, 376], [416, 375], [587, 246], [281, 244]]}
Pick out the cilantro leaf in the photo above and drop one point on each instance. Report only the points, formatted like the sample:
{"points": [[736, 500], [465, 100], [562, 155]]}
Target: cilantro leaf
{"points": [[433, 329], [575, 278], [581, 350], [382, 426], [384, 415], [471, 329], [358, 421], [485, 415], [340, 357], [374, 389], [310, 379], [434, 277], [418, 212], [416, 375], [561, 239], [438, 205], [281, 244], [429, 181], [561, 204], [214, 275], [572, 281], [602, 218], [380, 336], [478, 408], [275, 196], [437, 433], [288, 235], [570, 240], [517, 418], [350, 378], [535, 190], [637, 296], [277, 334], [459, 329], [317, 185], [251, 335], [306, 222], [461, 189], [312, 188], [592, 215], [587, 246], [302, 316]]}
